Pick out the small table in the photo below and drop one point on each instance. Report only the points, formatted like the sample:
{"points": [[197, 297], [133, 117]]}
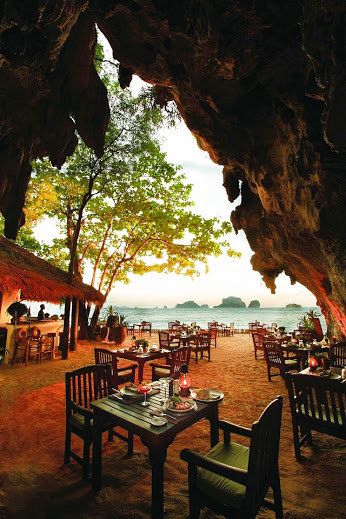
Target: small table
{"points": [[142, 358], [302, 352], [136, 419]]}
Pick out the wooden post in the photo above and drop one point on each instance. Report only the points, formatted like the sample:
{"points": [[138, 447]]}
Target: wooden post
{"points": [[65, 333], [74, 324]]}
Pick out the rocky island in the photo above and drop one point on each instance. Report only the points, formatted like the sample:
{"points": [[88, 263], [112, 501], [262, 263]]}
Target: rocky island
{"points": [[231, 302], [293, 305], [189, 304], [254, 304]]}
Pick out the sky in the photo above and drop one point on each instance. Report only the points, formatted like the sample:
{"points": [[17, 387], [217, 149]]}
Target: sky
{"points": [[226, 276]]}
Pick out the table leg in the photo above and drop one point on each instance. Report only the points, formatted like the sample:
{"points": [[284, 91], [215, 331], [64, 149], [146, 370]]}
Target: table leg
{"points": [[96, 471], [157, 458], [213, 420], [140, 371]]}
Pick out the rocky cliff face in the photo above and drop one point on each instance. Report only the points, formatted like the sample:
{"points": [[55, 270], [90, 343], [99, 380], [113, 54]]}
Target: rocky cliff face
{"points": [[261, 84]]}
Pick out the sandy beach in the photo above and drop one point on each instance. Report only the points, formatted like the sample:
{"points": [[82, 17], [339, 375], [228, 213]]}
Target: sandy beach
{"points": [[35, 484]]}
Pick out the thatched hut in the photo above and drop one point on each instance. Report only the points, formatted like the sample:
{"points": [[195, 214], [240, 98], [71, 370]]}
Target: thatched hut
{"points": [[26, 276], [37, 279]]}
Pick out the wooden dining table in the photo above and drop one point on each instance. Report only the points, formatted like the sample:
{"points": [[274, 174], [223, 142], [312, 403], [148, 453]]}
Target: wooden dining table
{"points": [[135, 418], [142, 358]]}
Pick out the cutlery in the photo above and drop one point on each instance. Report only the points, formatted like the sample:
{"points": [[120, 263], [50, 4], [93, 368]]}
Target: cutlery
{"points": [[153, 413]]}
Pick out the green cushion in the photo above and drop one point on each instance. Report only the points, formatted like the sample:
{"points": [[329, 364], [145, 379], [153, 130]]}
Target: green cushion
{"points": [[78, 421], [219, 488], [162, 372], [125, 373], [290, 362]]}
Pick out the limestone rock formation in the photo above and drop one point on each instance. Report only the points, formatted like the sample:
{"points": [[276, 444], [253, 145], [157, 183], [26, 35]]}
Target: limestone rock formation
{"points": [[187, 304], [231, 302], [254, 304], [261, 84]]}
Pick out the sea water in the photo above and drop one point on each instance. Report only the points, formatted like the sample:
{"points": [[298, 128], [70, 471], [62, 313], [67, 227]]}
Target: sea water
{"points": [[241, 317]]}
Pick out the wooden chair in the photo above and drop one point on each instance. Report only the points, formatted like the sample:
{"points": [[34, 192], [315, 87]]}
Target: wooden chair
{"points": [[316, 404], [232, 479], [337, 354], [130, 329], [119, 375], [21, 347], [274, 358], [257, 339], [82, 387], [34, 338], [146, 327], [213, 336], [166, 343], [179, 357], [200, 345], [47, 346]]}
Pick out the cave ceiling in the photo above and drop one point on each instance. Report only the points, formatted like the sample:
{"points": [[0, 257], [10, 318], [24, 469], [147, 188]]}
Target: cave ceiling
{"points": [[260, 84]]}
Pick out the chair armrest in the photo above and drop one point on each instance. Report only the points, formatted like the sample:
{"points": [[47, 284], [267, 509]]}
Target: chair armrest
{"points": [[227, 471], [87, 413], [236, 429]]}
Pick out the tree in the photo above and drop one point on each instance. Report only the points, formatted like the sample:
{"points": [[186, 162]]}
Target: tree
{"points": [[128, 211]]}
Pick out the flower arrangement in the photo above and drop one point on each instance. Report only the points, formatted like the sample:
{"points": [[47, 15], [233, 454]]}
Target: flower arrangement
{"points": [[143, 343]]}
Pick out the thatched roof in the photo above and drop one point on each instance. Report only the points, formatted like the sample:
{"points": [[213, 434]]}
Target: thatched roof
{"points": [[37, 279]]}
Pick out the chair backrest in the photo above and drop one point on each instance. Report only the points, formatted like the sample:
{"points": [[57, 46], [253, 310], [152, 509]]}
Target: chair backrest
{"points": [[180, 356], [212, 325], [34, 333], [317, 400], [257, 340], [273, 354], [146, 326], [263, 455], [213, 332], [338, 354], [87, 384], [203, 339], [21, 334], [231, 327], [164, 339], [104, 356]]}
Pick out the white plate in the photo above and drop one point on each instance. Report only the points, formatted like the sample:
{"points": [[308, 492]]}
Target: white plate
{"points": [[180, 411], [158, 421], [216, 395]]}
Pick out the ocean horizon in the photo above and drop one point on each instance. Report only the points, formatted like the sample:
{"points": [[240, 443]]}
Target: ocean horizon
{"points": [[160, 316]]}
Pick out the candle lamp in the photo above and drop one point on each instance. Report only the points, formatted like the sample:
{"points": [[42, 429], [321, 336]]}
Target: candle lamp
{"points": [[313, 363], [184, 380]]}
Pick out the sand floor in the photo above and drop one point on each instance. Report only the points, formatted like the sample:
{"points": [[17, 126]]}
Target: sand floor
{"points": [[34, 484]]}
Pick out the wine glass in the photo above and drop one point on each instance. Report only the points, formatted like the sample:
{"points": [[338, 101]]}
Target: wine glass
{"points": [[144, 388]]}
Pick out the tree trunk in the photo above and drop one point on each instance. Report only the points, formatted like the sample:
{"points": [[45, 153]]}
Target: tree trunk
{"points": [[95, 318], [83, 323], [65, 334], [74, 324]]}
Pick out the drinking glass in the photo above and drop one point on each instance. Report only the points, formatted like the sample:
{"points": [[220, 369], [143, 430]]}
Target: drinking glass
{"points": [[144, 389]]}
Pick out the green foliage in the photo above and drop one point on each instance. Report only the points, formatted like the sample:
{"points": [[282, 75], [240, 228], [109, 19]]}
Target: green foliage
{"points": [[17, 309], [306, 323], [25, 238], [128, 211]]}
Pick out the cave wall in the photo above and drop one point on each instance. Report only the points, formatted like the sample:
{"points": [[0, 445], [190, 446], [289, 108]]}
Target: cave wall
{"points": [[261, 84]]}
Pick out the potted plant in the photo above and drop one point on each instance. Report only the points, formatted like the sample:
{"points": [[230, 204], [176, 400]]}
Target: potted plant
{"points": [[311, 324], [117, 324], [17, 310]]}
